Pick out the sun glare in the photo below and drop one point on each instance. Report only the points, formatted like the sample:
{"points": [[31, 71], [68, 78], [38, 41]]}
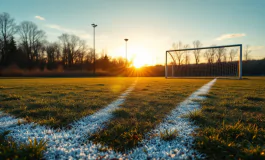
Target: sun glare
{"points": [[141, 57], [138, 63], [138, 55]]}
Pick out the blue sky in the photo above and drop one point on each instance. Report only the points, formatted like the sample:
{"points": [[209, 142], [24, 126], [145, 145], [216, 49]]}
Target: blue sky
{"points": [[151, 25]]}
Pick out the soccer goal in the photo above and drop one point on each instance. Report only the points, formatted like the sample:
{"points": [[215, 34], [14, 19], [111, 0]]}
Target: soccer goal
{"points": [[215, 61]]}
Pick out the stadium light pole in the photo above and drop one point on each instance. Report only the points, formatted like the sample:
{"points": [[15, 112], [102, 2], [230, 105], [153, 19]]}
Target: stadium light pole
{"points": [[94, 69], [126, 40]]}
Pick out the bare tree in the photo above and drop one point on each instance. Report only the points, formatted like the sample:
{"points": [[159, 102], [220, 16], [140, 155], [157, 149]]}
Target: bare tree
{"points": [[32, 39], [196, 53], [212, 52], [64, 39], [224, 55], [53, 52], [232, 54], [247, 51], [89, 57], [57, 51], [178, 54], [186, 56], [207, 55], [73, 49], [219, 54], [40, 54], [7, 31], [81, 51]]}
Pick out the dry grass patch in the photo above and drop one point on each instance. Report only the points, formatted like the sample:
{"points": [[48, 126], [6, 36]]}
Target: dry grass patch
{"points": [[151, 101], [56, 102], [234, 120]]}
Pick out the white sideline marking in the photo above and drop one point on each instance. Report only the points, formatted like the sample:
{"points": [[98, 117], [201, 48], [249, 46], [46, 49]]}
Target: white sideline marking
{"points": [[181, 147], [64, 144], [73, 144]]}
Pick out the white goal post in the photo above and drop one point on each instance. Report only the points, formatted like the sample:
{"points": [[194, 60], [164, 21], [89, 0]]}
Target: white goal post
{"points": [[212, 69]]}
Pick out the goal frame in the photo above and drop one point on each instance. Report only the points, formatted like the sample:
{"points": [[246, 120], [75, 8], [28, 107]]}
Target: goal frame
{"points": [[201, 48]]}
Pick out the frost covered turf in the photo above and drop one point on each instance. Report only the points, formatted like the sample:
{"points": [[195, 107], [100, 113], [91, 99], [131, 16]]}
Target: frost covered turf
{"points": [[137, 114], [232, 123], [57, 102], [150, 102], [72, 143]]}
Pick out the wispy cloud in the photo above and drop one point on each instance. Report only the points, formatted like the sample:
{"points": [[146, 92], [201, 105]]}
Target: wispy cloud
{"points": [[40, 18], [255, 48], [59, 28], [80, 33], [228, 36]]}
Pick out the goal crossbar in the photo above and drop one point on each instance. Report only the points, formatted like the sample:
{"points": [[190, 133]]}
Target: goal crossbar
{"points": [[188, 49]]}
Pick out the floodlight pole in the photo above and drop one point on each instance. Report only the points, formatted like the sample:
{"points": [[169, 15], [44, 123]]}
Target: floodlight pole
{"points": [[94, 68], [240, 63], [126, 40], [166, 66]]}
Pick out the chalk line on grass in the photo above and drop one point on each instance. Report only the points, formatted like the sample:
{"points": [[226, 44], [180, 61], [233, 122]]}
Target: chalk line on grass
{"points": [[181, 147], [73, 144], [65, 144]]}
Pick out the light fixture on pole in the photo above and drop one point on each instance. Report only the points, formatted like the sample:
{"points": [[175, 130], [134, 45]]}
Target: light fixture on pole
{"points": [[94, 69], [126, 49]]}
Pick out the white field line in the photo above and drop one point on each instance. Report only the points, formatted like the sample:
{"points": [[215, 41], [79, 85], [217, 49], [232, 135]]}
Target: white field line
{"points": [[181, 147], [65, 144], [71, 144]]}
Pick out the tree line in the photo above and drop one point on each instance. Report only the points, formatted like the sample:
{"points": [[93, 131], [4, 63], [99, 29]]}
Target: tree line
{"points": [[25, 46], [212, 62], [212, 55], [30, 49]]}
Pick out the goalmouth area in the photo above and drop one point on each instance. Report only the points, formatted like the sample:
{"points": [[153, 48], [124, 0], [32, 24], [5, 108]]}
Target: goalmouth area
{"points": [[216, 64]]}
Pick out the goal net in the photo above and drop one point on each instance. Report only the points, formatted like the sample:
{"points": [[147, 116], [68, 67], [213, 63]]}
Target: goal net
{"points": [[214, 61]]}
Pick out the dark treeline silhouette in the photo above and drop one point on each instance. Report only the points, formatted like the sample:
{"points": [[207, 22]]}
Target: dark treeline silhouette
{"points": [[254, 67], [226, 69], [208, 69], [25, 51], [212, 62], [30, 52]]}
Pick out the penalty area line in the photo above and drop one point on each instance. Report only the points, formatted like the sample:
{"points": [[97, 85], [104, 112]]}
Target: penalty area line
{"points": [[182, 146], [65, 144], [73, 144]]}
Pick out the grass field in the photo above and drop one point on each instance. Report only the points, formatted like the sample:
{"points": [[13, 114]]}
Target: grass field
{"points": [[232, 119], [58, 101], [151, 100]]}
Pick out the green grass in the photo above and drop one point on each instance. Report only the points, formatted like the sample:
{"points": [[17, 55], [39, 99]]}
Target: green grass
{"points": [[9, 149], [168, 135], [232, 124], [151, 101], [232, 119], [195, 115], [56, 102]]}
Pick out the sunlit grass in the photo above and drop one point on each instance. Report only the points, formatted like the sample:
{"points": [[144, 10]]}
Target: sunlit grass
{"points": [[151, 101], [233, 125], [232, 119], [168, 135], [195, 115], [9, 149], [57, 102]]}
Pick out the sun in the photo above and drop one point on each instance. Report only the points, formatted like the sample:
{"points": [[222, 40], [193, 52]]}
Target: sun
{"points": [[137, 63], [138, 55], [141, 57]]}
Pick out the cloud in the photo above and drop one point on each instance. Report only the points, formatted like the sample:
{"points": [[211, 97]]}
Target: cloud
{"points": [[228, 36], [57, 27], [40, 18], [79, 33], [255, 48]]}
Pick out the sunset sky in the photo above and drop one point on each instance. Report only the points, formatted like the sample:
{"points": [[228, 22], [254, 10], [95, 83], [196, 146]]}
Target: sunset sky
{"points": [[150, 25]]}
